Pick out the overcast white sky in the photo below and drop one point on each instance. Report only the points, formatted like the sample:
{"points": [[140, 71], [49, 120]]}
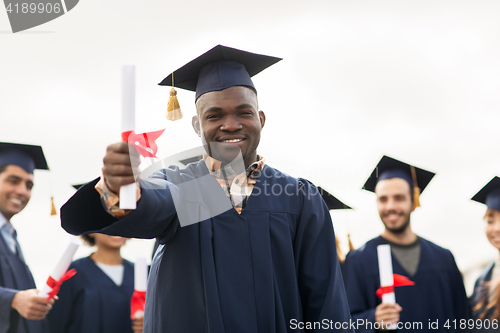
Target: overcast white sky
{"points": [[416, 80]]}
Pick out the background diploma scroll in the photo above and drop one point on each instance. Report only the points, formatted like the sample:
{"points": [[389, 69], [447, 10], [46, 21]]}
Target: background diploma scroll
{"points": [[128, 194], [140, 284], [386, 277], [61, 267]]}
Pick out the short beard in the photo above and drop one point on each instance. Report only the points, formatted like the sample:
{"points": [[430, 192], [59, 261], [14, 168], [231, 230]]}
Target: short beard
{"points": [[400, 229]]}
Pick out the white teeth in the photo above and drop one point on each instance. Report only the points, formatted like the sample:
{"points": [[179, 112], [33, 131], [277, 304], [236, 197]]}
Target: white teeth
{"points": [[233, 140], [16, 201]]}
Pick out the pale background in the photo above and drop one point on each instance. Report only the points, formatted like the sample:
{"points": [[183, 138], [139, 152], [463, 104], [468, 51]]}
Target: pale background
{"points": [[416, 80]]}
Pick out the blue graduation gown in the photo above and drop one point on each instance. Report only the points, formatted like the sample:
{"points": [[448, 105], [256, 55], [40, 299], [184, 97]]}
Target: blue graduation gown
{"points": [[254, 272], [90, 302], [15, 276], [480, 293], [438, 293]]}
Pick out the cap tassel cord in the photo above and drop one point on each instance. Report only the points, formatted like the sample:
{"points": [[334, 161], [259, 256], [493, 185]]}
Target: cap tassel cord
{"points": [[351, 247], [173, 109], [416, 189], [53, 211]]}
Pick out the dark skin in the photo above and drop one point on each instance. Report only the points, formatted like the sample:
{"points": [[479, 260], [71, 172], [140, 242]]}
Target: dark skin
{"points": [[230, 115], [223, 116]]}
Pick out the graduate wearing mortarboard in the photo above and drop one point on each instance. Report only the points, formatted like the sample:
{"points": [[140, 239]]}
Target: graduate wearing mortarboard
{"points": [[97, 298], [243, 247], [21, 309], [485, 300], [438, 293]]}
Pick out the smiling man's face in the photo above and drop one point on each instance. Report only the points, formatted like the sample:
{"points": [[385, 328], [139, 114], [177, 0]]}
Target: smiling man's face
{"points": [[394, 203], [15, 190], [229, 122]]}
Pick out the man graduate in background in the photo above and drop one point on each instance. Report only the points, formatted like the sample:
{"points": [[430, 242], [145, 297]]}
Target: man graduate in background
{"points": [[438, 293], [21, 309], [244, 247]]}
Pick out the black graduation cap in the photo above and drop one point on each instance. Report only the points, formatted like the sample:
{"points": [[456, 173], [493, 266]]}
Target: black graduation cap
{"points": [[219, 68], [77, 186], [389, 167], [331, 201], [28, 157], [490, 194]]}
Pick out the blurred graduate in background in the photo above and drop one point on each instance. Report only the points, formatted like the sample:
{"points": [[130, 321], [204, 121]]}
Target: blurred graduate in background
{"points": [[97, 298], [485, 300], [438, 293], [21, 309]]}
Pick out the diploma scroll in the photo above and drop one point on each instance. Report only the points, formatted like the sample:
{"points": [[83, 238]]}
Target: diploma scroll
{"points": [[59, 274], [128, 193], [386, 276], [140, 284]]}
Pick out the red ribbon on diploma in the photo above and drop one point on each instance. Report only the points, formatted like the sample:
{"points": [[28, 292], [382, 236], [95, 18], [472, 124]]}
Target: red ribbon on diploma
{"points": [[56, 285], [399, 281], [137, 303], [144, 142]]}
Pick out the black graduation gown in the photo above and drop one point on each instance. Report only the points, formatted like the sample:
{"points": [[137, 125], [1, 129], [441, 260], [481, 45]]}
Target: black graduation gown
{"points": [[438, 293], [90, 302], [254, 272], [480, 293], [14, 276]]}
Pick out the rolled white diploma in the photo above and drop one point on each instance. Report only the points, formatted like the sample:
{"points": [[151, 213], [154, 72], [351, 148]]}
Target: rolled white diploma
{"points": [[140, 274], [128, 193], [62, 264], [386, 275], [140, 280]]}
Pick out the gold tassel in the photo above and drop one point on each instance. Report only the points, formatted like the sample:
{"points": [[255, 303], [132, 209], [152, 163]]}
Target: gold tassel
{"points": [[173, 108], [53, 211], [416, 197], [416, 189], [351, 247], [340, 255]]}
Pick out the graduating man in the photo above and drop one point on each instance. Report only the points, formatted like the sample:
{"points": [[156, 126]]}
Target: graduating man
{"points": [[21, 309], [438, 294], [244, 247]]}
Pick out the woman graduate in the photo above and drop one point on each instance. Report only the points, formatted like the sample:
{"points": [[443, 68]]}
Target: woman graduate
{"points": [[485, 300], [97, 298]]}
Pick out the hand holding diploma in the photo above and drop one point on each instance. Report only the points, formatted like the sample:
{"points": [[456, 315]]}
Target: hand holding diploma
{"points": [[60, 272], [388, 311], [121, 164], [30, 305]]}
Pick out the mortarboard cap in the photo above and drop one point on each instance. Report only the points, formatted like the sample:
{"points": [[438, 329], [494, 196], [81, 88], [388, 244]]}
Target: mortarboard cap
{"points": [[331, 201], [388, 168], [77, 186], [28, 157], [220, 68], [490, 194]]}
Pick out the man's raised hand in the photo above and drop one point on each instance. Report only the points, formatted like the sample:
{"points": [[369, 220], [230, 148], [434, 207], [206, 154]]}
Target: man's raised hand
{"points": [[121, 165]]}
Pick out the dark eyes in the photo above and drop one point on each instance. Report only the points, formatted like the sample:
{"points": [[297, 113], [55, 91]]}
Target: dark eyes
{"points": [[15, 182], [211, 117], [217, 116]]}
